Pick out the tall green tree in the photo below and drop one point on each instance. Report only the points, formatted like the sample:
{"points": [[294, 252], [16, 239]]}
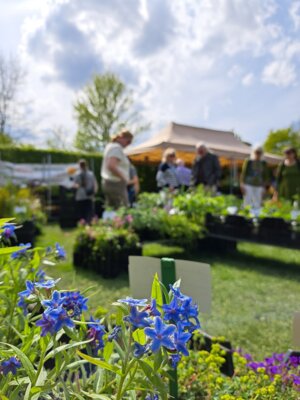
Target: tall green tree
{"points": [[103, 108], [278, 140]]}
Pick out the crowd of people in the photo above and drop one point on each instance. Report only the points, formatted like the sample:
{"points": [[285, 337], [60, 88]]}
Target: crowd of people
{"points": [[120, 183]]}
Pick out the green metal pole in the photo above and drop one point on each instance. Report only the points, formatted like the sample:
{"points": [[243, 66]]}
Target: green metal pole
{"points": [[168, 277]]}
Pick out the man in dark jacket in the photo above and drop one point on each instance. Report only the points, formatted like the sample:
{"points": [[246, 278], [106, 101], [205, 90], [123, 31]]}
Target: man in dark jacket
{"points": [[206, 169]]}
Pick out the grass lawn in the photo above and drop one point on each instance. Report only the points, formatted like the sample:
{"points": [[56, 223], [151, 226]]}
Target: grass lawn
{"points": [[255, 290]]}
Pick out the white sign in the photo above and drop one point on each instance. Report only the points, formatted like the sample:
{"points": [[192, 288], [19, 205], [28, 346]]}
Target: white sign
{"points": [[195, 279], [296, 331]]}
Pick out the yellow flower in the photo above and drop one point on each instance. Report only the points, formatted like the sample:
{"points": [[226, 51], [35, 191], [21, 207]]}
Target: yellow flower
{"points": [[271, 389], [261, 369], [219, 380]]}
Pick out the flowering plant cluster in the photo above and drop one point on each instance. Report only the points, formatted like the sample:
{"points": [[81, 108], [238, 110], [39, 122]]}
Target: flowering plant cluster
{"points": [[276, 378], [52, 348], [105, 249]]}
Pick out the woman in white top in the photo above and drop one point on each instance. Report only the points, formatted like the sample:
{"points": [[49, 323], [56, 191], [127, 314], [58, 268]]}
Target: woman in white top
{"points": [[115, 170], [166, 176]]}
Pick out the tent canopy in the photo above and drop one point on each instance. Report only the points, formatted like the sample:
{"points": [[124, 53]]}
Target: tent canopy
{"points": [[183, 139]]}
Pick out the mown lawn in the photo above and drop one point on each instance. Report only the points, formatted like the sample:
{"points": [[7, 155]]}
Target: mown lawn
{"points": [[255, 290]]}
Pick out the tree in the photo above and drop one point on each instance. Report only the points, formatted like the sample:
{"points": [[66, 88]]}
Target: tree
{"points": [[102, 109], [11, 78], [6, 139], [278, 140]]}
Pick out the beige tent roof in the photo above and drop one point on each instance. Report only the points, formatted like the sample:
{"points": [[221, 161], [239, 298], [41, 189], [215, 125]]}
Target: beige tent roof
{"points": [[183, 138]]}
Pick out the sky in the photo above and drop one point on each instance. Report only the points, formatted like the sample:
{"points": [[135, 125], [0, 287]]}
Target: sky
{"points": [[222, 64]]}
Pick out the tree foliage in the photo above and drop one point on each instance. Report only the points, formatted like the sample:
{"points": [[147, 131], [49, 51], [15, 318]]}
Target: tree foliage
{"points": [[5, 139], [103, 108], [278, 140]]}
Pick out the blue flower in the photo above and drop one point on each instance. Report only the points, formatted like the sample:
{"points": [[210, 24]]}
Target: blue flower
{"points": [[10, 365], [61, 318], [21, 252], [153, 309], [9, 230], [55, 302], [139, 319], [114, 333], [174, 360], [177, 293], [30, 289], [181, 338], [161, 335], [139, 350], [23, 304], [172, 311], [48, 250], [40, 275], [60, 251], [134, 302], [47, 324], [152, 397], [96, 332], [47, 284], [74, 303], [189, 310]]}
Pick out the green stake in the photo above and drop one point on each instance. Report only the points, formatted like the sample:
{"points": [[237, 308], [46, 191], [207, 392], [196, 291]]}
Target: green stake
{"points": [[168, 277]]}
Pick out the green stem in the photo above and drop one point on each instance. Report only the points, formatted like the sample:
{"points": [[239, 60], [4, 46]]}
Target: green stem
{"points": [[131, 377], [125, 370]]}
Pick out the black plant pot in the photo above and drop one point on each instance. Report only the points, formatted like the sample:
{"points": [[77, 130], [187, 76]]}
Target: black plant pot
{"points": [[147, 234], [275, 231], [206, 342], [26, 233], [238, 226]]}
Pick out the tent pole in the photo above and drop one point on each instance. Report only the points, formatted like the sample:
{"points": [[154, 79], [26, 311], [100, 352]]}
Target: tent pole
{"points": [[231, 175]]}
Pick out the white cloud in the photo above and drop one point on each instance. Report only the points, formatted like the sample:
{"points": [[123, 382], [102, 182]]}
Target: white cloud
{"points": [[176, 56], [294, 11], [248, 79], [279, 73], [234, 71]]}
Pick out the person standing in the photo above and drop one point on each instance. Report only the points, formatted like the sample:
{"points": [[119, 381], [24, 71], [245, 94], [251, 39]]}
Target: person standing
{"points": [[166, 176], [133, 187], [254, 178], [288, 176], [183, 173], [206, 168], [115, 171], [86, 187]]}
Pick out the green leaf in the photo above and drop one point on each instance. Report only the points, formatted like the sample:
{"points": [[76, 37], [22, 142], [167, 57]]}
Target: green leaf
{"points": [[139, 336], [100, 363], [107, 351], [24, 360], [27, 393], [4, 221], [96, 396], [64, 347], [158, 359], [154, 378], [156, 292], [4, 251]]}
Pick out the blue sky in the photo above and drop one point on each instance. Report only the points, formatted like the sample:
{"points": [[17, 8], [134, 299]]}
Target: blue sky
{"points": [[228, 64]]}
